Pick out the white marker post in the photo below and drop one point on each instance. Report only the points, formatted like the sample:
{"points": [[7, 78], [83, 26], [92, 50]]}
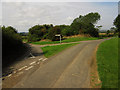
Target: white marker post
{"points": [[59, 36]]}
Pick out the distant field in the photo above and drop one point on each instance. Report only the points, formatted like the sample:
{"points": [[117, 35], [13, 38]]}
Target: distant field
{"points": [[107, 60], [73, 39], [102, 33], [52, 50], [105, 33]]}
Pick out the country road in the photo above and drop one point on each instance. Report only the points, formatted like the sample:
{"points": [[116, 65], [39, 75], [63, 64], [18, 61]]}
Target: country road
{"points": [[68, 69]]}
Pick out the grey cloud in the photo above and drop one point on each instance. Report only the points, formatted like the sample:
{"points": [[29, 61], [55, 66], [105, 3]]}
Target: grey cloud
{"points": [[23, 15], [119, 7]]}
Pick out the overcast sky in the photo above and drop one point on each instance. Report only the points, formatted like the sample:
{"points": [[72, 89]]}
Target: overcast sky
{"points": [[23, 15]]}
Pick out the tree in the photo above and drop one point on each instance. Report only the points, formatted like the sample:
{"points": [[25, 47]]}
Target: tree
{"points": [[38, 32], [52, 32], [91, 18], [99, 27], [108, 31], [117, 24], [76, 26], [66, 31], [85, 24], [11, 45], [11, 36], [113, 30]]}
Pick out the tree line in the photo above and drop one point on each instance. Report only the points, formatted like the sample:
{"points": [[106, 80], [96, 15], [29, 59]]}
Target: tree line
{"points": [[80, 25], [12, 44], [13, 47]]}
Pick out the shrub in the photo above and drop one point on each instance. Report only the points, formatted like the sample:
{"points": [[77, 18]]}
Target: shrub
{"points": [[52, 32]]}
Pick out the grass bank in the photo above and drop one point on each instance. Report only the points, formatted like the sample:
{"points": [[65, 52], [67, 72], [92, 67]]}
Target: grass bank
{"points": [[107, 60], [72, 39], [52, 50]]}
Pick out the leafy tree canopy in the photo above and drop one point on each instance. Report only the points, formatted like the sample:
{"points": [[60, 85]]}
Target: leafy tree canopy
{"points": [[39, 32], [85, 24], [117, 22]]}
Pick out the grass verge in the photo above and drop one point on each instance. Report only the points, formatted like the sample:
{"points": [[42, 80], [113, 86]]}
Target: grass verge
{"points": [[73, 39], [107, 60], [52, 50]]}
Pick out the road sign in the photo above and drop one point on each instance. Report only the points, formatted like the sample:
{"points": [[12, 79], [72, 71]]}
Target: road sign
{"points": [[59, 36]]}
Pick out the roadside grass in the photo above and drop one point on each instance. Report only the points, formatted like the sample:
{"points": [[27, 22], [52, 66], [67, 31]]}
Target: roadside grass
{"points": [[73, 39], [52, 50], [45, 42], [107, 61]]}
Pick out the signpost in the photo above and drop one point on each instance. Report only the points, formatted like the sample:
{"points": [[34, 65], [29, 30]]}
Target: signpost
{"points": [[59, 36]]}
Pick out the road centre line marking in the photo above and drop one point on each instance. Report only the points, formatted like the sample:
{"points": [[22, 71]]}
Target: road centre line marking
{"points": [[40, 59], [44, 59], [32, 63], [22, 68], [29, 68]]}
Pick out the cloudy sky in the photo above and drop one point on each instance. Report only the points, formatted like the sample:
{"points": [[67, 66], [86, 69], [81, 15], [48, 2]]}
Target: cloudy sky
{"points": [[23, 15]]}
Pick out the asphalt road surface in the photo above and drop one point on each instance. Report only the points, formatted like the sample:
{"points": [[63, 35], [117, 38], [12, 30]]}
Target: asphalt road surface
{"points": [[68, 69]]}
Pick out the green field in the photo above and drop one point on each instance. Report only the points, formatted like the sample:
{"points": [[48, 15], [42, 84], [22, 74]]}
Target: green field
{"points": [[74, 39], [45, 42], [52, 50], [107, 60]]}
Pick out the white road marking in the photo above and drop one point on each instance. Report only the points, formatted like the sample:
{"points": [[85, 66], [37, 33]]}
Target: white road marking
{"points": [[22, 68], [40, 59], [14, 72], [32, 63], [32, 57], [9, 75], [44, 59], [29, 68]]}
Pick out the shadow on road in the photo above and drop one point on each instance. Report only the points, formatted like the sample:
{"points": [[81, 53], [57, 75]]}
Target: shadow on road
{"points": [[18, 55]]}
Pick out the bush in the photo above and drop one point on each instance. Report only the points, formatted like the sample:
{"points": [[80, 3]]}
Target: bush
{"points": [[33, 38], [52, 32], [11, 45], [10, 37], [66, 31], [37, 32]]}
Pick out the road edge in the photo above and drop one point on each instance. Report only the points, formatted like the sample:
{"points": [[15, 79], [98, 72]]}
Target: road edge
{"points": [[95, 81]]}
